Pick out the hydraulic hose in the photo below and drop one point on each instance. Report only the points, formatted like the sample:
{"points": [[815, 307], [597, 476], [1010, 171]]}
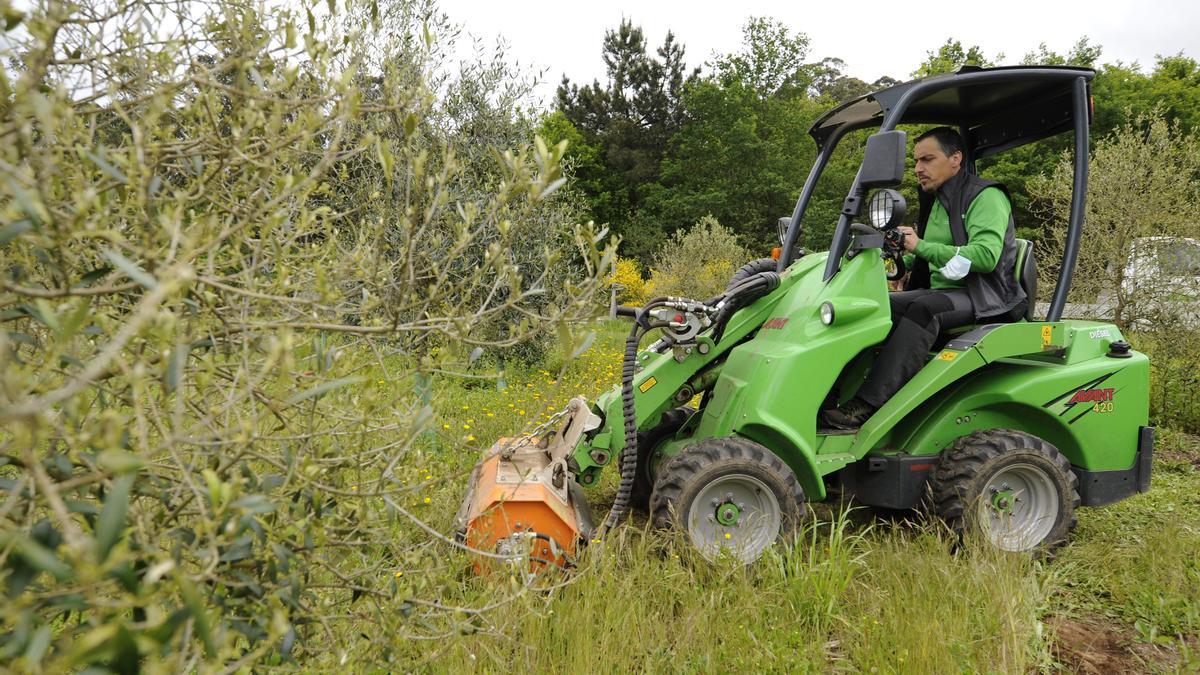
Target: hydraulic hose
{"points": [[629, 452], [741, 295], [736, 297], [755, 286]]}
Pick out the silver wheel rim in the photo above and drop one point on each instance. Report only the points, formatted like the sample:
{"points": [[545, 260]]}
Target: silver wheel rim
{"points": [[755, 524], [1019, 507]]}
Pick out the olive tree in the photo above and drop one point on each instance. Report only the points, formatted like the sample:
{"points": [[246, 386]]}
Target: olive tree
{"points": [[238, 245], [1143, 187]]}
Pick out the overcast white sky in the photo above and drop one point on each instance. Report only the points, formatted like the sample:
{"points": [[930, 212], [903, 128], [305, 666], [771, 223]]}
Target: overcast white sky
{"points": [[873, 37]]}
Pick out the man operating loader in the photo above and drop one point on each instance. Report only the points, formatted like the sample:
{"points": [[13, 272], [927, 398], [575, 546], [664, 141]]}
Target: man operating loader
{"points": [[965, 250]]}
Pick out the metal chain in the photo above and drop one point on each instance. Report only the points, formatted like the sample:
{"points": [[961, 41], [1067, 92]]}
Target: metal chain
{"points": [[509, 448]]}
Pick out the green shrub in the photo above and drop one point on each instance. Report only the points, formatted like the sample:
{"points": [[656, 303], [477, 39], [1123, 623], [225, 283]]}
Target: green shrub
{"points": [[238, 248], [1174, 381], [696, 263]]}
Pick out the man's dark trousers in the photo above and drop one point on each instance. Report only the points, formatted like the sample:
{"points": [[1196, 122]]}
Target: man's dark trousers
{"points": [[917, 318]]}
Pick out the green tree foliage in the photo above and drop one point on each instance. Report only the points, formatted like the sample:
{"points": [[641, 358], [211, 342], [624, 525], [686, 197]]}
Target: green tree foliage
{"points": [[771, 60], [732, 127], [827, 80], [1082, 53], [584, 162], [753, 114], [213, 225], [951, 56], [1142, 178], [1173, 86], [627, 121]]}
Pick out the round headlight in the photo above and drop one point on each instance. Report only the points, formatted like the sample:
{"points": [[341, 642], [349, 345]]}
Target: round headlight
{"points": [[886, 209], [827, 313]]}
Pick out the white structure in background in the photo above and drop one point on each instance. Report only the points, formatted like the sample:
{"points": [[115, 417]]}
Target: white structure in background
{"points": [[1166, 268], [1161, 281]]}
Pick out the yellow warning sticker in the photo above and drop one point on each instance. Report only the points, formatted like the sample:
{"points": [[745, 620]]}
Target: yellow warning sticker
{"points": [[947, 355], [648, 384], [1047, 334]]}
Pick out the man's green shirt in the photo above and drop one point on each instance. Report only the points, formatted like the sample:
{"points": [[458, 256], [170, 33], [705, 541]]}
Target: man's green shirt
{"points": [[986, 221]]}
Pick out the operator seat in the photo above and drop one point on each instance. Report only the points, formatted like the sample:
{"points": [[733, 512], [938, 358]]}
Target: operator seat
{"points": [[1026, 270]]}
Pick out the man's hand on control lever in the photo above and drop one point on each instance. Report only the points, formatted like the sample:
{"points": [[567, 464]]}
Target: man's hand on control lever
{"points": [[911, 239]]}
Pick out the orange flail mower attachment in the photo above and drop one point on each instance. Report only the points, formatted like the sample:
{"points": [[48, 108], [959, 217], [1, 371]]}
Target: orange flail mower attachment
{"points": [[523, 504]]}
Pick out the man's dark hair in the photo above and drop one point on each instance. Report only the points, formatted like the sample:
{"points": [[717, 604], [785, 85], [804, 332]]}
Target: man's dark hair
{"points": [[949, 140]]}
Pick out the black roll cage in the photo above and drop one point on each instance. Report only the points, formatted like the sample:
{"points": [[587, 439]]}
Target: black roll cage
{"points": [[996, 109]]}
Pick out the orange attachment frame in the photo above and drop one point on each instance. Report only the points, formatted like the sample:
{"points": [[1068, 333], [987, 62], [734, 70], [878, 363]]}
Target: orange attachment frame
{"points": [[516, 501]]}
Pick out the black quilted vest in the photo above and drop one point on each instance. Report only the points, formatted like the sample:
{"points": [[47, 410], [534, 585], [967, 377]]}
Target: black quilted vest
{"points": [[995, 292]]}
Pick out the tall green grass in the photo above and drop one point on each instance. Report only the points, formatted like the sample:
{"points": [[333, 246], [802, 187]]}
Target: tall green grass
{"points": [[852, 593], [1138, 561], [841, 597]]}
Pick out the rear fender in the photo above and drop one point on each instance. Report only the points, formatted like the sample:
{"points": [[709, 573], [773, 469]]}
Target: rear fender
{"points": [[1054, 404], [960, 358], [1068, 393]]}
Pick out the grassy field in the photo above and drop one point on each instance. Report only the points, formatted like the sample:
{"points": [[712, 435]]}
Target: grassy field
{"points": [[858, 592]]}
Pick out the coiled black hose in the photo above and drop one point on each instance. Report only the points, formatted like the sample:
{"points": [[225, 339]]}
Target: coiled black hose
{"points": [[749, 290], [630, 450]]}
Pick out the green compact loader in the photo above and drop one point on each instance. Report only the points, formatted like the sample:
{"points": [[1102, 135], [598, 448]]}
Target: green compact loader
{"points": [[1006, 430]]}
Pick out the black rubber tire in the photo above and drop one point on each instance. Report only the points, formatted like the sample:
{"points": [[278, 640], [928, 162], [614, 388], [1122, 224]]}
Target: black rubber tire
{"points": [[964, 471], [643, 483], [750, 269], [686, 474]]}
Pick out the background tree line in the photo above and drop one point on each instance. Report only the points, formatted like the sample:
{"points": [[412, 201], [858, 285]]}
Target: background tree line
{"points": [[658, 145]]}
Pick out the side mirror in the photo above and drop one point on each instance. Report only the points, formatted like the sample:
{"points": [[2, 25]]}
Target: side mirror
{"points": [[783, 224], [883, 163]]}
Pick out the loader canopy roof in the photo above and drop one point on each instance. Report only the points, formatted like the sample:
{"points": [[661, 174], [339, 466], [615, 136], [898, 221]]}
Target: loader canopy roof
{"points": [[997, 108]]}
